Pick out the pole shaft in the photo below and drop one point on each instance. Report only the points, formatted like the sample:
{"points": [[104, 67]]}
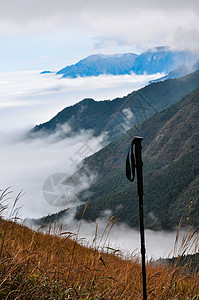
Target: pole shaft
{"points": [[139, 164], [142, 247]]}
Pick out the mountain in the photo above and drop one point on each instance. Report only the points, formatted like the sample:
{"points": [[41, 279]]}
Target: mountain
{"points": [[117, 116], [94, 65], [171, 171], [46, 72], [159, 59], [179, 72]]}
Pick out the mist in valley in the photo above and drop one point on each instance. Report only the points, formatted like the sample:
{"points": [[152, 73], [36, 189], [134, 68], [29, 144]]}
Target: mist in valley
{"points": [[27, 99]]}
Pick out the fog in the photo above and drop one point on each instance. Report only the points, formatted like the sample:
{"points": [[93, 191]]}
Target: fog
{"points": [[119, 238], [28, 98], [28, 165]]}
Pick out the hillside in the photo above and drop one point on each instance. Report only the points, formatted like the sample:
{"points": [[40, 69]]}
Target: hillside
{"points": [[155, 60], [53, 266], [120, 114], [171, 171]]}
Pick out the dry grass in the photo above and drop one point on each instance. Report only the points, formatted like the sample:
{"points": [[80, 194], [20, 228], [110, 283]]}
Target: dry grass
{"points": [[34, 265]]}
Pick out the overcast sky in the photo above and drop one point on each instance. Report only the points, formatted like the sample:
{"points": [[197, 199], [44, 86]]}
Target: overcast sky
{"points": [[49, 34]]}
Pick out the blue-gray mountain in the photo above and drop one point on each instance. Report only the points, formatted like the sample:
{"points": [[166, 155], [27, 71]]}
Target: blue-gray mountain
{"points": [[160, 59], [95, 65], [46, 72], [179, 72], [120, 114]]}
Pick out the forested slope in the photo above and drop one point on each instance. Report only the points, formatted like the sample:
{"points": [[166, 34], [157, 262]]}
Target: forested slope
{"points": [[171, 170]]}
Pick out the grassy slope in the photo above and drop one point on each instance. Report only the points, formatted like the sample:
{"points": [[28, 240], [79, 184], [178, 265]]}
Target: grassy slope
{"points": [[171, 166], [43, 266]]}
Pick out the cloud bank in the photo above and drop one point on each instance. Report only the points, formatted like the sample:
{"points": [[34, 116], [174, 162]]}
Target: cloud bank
{"points": [[26, 164], [137, 23], [28, 98], [120, 238]]}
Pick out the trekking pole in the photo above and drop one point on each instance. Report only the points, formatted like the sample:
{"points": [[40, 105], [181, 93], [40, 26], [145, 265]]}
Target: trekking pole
{"points": [[133, 163]]}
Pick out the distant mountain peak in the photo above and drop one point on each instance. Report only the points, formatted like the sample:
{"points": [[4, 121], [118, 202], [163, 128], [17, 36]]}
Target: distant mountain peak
{"points": [[86, 101], [97, 64], [160, 59]]}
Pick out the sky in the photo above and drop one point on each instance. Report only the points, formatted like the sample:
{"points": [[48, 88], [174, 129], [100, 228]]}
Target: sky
{"points": [[50, 34]]}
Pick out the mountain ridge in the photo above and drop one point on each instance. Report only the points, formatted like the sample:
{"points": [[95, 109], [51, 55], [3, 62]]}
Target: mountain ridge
{"points": [[117, 115], [179, 72], [155, 60], [97, 64], [171, 171]]}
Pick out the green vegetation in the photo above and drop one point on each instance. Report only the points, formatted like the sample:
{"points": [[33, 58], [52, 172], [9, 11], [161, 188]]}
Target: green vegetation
{"points": [[171, 171], [190, 263], [51, 218]]}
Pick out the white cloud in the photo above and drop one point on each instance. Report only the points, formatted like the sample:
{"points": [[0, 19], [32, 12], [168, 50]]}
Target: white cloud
{"points": [[136, 23], [121, 238], [25, 165], [28, 98]]}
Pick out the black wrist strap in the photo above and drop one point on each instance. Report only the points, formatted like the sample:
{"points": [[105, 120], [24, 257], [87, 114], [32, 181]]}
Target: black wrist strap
{"points": [[130, 164]]}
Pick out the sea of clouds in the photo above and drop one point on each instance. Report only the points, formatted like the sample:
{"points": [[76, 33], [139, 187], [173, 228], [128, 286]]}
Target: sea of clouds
{"points": [[29, 98]]}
